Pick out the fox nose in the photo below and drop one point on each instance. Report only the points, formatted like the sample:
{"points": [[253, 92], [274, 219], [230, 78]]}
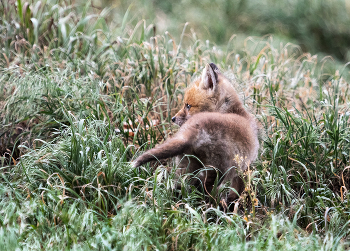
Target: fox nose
{"points": [[173, 119]]}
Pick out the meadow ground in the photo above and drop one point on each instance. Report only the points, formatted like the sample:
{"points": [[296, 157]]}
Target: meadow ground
{"points": [[81, 97]]}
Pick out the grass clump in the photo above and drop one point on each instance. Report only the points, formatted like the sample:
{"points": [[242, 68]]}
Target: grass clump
{"points": [[316, 26], [76, 110]]}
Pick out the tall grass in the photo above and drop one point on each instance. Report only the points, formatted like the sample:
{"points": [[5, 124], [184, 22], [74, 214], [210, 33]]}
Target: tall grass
{"points": [[318, 26], [80, 99]]}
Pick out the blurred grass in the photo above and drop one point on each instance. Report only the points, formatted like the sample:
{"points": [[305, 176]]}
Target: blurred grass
{"points": [[317, 26], [84, 90]]}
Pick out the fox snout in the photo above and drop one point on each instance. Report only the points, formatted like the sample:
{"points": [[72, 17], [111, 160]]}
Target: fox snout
{"points": [[179, 119]]}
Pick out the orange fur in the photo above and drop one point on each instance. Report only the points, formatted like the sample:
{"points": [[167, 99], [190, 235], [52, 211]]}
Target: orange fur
{"points": [[214, 127]]}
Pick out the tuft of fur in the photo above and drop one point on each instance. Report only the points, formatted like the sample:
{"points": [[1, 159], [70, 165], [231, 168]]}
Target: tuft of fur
{"points": [[214, 127]]}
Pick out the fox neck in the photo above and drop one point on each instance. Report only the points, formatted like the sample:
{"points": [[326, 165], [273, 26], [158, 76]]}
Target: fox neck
{"points": [[238, 108], [231, 104]]}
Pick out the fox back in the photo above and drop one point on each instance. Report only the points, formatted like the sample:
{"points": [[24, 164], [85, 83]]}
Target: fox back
{"points": [[214, 127]]}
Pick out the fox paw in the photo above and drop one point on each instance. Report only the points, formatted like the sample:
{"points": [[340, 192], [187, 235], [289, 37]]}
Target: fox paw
{"points": [[135, 164]]}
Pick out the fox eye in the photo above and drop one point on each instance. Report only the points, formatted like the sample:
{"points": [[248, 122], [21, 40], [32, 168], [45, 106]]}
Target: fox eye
{"points": [[187, 106]]}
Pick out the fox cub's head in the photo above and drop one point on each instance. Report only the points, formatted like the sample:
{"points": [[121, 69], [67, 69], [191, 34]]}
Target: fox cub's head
{"points": [[212, 92]]}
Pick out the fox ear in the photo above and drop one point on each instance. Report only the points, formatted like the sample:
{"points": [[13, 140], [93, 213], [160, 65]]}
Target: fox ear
{"points": [[210, 76]]}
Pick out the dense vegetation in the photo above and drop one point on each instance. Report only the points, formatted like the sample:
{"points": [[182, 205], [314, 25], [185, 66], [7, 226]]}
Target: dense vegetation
{"points": [[81, 96], [315, 25]]}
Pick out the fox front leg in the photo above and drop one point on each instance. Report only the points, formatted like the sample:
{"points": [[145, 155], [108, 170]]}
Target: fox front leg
{"points": [[170, 148]]}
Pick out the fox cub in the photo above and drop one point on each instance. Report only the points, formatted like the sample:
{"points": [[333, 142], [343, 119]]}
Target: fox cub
{"points": [[214, 127]]}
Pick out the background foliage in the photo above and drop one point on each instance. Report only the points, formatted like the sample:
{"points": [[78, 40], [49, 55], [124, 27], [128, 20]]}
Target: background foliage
{"points": [[316, 25]]}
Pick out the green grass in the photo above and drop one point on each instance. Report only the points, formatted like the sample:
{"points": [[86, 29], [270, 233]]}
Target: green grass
{"points": [[81, 96], [318, 26]]}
